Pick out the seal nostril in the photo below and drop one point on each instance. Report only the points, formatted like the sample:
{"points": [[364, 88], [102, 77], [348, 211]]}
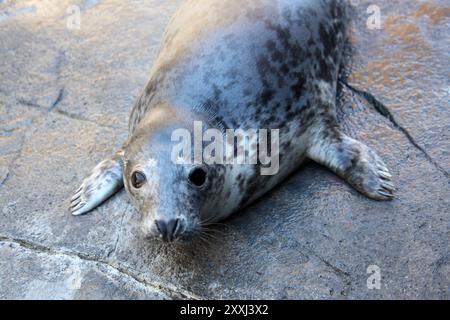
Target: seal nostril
{"points": [[162, 227], [171, 227], [167, 229], [178, 229]]}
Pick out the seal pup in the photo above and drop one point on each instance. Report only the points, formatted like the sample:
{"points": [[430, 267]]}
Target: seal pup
{"points": [[271, 64]]}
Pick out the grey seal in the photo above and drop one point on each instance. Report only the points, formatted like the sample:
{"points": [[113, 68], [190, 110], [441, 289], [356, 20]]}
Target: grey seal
{"points": [[271, 64]]}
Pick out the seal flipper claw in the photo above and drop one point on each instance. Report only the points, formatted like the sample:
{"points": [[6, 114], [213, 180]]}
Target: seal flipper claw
{"points": [[105, 180], [355, 162]]}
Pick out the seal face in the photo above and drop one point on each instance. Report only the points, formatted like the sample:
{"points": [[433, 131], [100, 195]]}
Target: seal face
{"points": [[248, 64]]}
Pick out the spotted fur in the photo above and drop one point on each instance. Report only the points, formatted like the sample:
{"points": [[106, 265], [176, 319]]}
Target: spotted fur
{"points": [[249, 64]]}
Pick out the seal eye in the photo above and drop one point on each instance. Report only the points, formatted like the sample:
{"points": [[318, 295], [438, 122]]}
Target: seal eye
{"points": [[138, 179], [198, 177]]}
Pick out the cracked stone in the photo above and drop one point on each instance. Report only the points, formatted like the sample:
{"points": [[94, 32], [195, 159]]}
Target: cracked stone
{"points": [[406, 65], [4, 172], [383, 110], [41, 275], [312, 237], [64, 139]]}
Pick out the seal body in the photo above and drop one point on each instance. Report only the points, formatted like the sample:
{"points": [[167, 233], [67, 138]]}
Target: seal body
{"points": [[247, 64]]}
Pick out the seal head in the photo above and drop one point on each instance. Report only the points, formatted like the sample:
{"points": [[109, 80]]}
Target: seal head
{"points": [[174, 196], [236, 64]]}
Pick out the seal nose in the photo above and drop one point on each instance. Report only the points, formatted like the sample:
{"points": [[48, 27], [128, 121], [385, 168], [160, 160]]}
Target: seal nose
{"points": [[168, 229]]}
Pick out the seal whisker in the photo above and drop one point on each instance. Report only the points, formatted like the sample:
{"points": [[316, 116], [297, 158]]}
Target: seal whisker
{"points": [[213, 230], [285, 77], [209, 234], [207, 224], [204, 240]]}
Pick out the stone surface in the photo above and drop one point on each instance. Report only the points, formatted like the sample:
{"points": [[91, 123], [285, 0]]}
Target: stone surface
{"points": [[64, 98], [38, 273]]}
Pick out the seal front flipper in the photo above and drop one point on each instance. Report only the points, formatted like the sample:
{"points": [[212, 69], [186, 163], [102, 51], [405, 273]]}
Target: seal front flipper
{"points": [[355, 162], [105, 180]]}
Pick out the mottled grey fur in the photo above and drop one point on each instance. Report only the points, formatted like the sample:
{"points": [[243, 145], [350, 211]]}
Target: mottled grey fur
{"points": [[250, 64]]}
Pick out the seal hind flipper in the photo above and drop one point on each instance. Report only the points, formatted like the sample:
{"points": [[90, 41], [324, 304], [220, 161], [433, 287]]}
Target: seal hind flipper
{"points": [[105, 180], [355, 162]]}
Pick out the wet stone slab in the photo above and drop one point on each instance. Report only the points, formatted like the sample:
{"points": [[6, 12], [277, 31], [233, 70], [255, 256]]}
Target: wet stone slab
{"points": [[64, 99]]}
